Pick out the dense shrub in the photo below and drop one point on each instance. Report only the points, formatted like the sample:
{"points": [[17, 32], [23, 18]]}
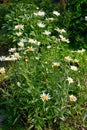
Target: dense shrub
{"points": [[78, 24]]}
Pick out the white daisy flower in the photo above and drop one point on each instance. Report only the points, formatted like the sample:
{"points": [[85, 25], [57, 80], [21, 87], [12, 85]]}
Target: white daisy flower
{"points": [[2, 70], [81, 51], [47, 32], [23, 40], [64, 39], [12, 50], [60, 30], [18, 34], [48, 47], [2, 58], [56, 13], [85, 18], [68, 58], [41, 25], [72, 98], [70, 80], [75, 61], [40, 13], [56, 64], [30, 40], [45, 97], [30, 48], [21, 44], [19, 26], [19, 84], [15, 56], [49, 19], [74, 68]]}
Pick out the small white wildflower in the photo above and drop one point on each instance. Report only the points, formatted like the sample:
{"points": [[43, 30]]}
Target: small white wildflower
{"points": [[37, 7], [75, 61], [45, 97], [56, 64], [74, 68], [57, 40], [21, 44], [67, 41], [45, 62], [30, 48], [40, 13], [15, 56], [68, 58], [36, 14], [64, 39], [30, 40], [60, 30], [26, 60], [81, 51], [48, 47], [49, 19], [19, 84], [41, 25], [2, 58], [85, 18], [47, 32], [72, 98], [70, 80], [37, 58], [19, 26], [12, 50], [56, 13], [18, 34], [2, 70], [23, 40], [37, 43]]}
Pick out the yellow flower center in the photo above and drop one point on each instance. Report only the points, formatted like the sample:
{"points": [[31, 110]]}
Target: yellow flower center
{"points": [[30, 48], [72, 98], [56, 65], [75, 60], [21, 44], [1, 71], [44, 97], [16, 56], [67, 59], [20, 26]]}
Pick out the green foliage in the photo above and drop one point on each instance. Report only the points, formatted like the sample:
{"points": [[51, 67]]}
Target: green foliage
{"points": [[4, 9], [78, 24]]}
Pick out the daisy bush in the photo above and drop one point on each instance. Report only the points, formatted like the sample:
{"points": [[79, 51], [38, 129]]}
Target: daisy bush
{"points": [[44, 79]]}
